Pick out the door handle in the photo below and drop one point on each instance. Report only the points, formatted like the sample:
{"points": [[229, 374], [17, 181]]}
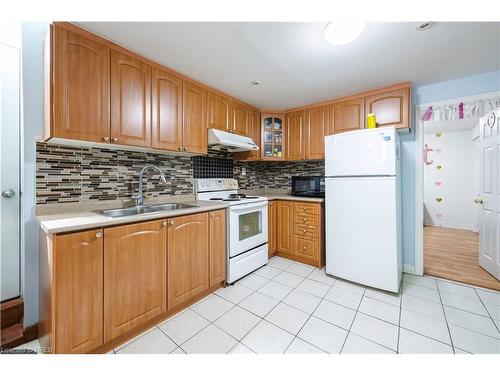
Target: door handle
{"points": [[478, 201], [8, 193]]}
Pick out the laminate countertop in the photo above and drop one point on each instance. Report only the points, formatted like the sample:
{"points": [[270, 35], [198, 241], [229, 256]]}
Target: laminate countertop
{"points": [[68, 217], [279, 194], [72, 219]]}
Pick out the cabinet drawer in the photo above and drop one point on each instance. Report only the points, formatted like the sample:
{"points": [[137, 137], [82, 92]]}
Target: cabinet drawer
{"points": [[306, 247], [306, 219], [306, 231], [307, 208]]}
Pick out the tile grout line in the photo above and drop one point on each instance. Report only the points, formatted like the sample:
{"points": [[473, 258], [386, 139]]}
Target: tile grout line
{"points": [[352, 323], [487, 311], [309, 317], [400, 308], [445, 318]]}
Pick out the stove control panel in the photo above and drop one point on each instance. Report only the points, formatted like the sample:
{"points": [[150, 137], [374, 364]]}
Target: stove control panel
{"points": [[215, 184]]}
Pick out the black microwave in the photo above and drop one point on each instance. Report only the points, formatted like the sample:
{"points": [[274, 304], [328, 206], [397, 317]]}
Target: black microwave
{"points": [[308, 186]]}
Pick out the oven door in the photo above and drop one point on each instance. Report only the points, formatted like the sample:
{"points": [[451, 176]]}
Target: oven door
{"points": [[247, 227]]}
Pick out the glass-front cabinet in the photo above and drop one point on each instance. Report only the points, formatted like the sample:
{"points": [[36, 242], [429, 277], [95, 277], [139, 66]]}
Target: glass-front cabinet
{"points": [[272, 137]]}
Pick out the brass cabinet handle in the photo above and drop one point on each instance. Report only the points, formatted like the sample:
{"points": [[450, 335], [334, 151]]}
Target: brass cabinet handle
{"points": [[164, 223], [179, 148], [115, 139], [185, 148], [172, 222], [304, 248], [305, 230], [105, 139], [98, 234]]}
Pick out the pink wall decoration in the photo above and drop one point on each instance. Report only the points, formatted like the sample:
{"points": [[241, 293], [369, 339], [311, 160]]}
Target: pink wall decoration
{"points": [[438, 183]]}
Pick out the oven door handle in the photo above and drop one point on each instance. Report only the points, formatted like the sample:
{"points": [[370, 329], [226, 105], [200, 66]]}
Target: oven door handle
{"points": [[242, 207]]}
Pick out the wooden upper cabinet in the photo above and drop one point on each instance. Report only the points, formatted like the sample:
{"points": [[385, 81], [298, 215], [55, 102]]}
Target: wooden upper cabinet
{"points": [[273, 137], [346, 116], [194, 118], [78, 259], [254, 132], [316, 129], [80, 88], [188, 258], [391, 108], [130, 101], [217, 246], [134, 275], [219, 112], [241, 119], [295, 130], [284, 226], [166, 129]]}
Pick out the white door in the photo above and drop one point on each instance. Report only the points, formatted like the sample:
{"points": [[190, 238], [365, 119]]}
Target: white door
{"points": [[489, 223], [9, 172]]}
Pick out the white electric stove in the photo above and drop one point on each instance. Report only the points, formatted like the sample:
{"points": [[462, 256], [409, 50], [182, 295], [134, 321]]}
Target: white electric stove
{"points": [[247, 233]]}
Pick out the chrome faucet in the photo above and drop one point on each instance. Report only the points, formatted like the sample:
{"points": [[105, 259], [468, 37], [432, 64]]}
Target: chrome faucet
{"points": [[139, 197]]}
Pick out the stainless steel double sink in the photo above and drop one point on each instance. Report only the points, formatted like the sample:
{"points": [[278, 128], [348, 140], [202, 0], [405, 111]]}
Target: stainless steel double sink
{"points": [[138, 210]]}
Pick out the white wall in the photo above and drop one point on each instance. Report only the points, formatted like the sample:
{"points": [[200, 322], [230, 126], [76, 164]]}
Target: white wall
{"points": [[32, 75], [454, 183]]}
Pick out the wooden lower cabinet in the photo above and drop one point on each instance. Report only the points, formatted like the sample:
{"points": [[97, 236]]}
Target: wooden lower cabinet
{"points": [[100, 287], [134, 275], [188, 258], [271, 213], [217, 246], [299, 231], [78, 298], [284, 229]]}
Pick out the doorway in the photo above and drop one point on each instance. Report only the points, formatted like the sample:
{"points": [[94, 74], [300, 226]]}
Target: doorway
{"points": [[454, 172], [10, 203]]}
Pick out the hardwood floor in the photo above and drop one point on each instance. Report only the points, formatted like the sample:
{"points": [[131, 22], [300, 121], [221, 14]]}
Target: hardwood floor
{"points": [[453, 254]]}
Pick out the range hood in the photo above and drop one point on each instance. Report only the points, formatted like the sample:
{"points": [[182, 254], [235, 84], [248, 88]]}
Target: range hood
{"points": [[221, 140]]}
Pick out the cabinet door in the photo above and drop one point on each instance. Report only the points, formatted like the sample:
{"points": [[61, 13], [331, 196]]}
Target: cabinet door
{"points": [[317, 125], [81, 88], [347, 116], [217, 246], [130, 101], [240, 119], [295, 145], [166, 129], [284, 214], [78, 291], [188, 258], [272, 228], [306, 247], [219, 112], [194, 118], [391, 108], [134, 275]]}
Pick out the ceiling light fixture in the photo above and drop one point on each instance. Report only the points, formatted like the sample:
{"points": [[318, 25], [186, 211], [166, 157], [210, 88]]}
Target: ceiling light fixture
{"points": [[340, 33], [255, 83]]}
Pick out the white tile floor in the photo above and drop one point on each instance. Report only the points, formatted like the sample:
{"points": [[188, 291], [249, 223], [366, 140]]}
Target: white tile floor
{"points": [[287, 307]]}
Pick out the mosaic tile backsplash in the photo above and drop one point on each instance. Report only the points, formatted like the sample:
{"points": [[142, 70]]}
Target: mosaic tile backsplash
{"points": [[83, 174], [276, 175]]}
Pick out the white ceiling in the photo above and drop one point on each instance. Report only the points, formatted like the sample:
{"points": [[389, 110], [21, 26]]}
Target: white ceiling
{"points": [[294, 64]]}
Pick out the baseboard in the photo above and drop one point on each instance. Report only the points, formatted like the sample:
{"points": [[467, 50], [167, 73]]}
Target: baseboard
{"points": [[409, 268]]}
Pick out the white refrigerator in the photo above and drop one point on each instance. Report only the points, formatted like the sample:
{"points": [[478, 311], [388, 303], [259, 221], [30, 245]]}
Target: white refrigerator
{"points": [[363, 207]]}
